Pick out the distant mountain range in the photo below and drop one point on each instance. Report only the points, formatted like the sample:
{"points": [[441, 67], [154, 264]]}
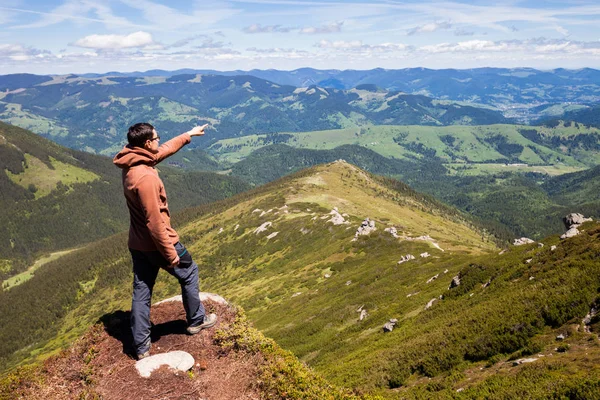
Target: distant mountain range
{"points": [[514, 90], [92, 113]]}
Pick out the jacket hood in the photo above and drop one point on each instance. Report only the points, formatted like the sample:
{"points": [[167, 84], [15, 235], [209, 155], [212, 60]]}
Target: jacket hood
{"points": [[131, 156]]}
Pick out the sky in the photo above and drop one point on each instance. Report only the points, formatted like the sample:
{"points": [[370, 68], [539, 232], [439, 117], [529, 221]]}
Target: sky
{"points": [[80, 36]]}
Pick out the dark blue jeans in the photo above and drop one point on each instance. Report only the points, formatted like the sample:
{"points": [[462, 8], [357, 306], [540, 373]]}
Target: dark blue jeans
{"points": [[146, 265]]}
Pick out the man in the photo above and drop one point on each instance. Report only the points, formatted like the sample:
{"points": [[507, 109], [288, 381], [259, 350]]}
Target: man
{"points": [[153, 243]]}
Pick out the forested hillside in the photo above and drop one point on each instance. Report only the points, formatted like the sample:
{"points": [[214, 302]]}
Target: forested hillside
{"points": [[57, 198], [91, 113], [312, 273]]}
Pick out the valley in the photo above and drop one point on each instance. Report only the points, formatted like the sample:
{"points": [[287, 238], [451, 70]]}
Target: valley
{"points": [[322, 212]]}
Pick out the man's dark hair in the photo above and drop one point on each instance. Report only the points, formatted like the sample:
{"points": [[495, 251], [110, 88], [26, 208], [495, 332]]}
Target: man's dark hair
{"points": [[139, 133]]}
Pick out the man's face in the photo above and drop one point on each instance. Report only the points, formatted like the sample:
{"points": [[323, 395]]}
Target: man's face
{"points": [[152, 144]]}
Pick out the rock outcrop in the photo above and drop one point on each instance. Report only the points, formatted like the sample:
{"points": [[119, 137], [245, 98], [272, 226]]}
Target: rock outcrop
{"points": [[522, 241], [430, 303], [392, 230], [572, 222], [389, 326], [455, 282], [574, 219], [263, 227], [406, 258], [336, 217], [365, 228]]}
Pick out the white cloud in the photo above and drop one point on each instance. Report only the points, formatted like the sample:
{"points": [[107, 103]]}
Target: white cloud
{"points": [[515, 47], [276, 50], [258, 28], [331, 28], [136, 39], [428, 28], [359, 46]]}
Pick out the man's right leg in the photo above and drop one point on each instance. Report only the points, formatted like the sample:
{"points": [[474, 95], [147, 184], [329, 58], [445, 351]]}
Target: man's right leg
{"points": [[144, 276]]}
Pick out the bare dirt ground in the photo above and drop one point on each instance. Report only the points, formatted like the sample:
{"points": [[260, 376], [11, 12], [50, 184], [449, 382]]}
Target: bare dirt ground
{"points": [[99, 364]]}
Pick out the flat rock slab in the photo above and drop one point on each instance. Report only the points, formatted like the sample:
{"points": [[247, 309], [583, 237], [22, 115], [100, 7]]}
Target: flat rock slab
{"points": [[178, 360]]}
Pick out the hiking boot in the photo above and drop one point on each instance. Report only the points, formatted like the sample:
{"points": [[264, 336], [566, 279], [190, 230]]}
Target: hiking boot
{"points": [[143, 355], [209, 321]]}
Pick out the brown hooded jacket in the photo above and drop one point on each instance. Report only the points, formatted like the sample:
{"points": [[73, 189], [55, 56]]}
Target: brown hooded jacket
{"points": [[150, 221]]}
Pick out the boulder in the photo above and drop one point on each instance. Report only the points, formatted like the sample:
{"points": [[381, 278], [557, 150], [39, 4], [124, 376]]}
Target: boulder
{"points": [[425, 255], [263, 227], [433, 278], [553, 247], [365, 228], [570, 233], [522, 241], [523, 361], [392, 230], [430, 303], [574, 219], [178, 360], [363, 315], [389, 326], [336, 217], [455, 282], [588, 319], [406, 258]]}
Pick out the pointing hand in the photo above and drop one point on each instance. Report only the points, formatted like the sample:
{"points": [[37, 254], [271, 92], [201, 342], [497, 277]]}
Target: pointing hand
{"points": [[198, 130]]}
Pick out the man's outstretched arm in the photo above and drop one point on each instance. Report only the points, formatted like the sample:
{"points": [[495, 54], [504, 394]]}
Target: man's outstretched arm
{"points": [[174, 145]]}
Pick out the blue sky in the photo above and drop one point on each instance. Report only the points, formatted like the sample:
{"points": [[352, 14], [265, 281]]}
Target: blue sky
{"points": [[77, 36]]}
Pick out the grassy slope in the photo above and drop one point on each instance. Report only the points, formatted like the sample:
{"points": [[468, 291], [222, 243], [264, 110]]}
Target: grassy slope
{"points": [[55, 198], [471, 144], [431, 353]]}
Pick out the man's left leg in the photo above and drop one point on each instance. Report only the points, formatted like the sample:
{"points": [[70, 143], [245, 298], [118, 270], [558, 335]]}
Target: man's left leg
{"points": [[187, 275]]}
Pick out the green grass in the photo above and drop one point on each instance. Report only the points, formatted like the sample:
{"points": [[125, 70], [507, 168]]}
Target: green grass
{"points": [[15, 115], [41, 180], [469, 144], [484, 169], [28, 274], [466, 340]]}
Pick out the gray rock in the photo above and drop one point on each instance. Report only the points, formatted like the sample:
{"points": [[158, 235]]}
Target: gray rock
{"points": [[336, 217], [588, 319], [523, 361], [389, 326], [365, 228], [455, 282], [430, 303], [560, 337], [553, 247], [178, 360], [574, 219], [392, 231], [363, 315], [406, 258], [433, 278], [570, 233], [522, 241], [263, 227]]}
